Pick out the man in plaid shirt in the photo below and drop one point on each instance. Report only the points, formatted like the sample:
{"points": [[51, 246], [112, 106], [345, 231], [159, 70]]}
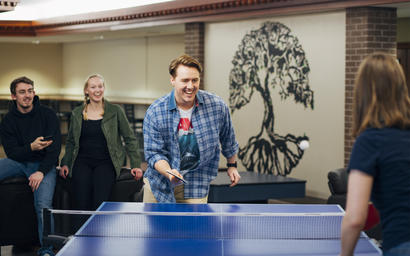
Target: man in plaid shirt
{"points": [[182, 134]]}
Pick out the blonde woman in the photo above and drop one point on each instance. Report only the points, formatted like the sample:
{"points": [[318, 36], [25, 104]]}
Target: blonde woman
{"points": [[94, 151], [380, 161]]}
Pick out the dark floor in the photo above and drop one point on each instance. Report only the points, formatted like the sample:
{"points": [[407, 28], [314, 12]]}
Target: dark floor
{"points": [[9, 251], [300, 200]]}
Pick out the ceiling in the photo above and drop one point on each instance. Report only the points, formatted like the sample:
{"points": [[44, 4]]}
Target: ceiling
{"points": [[96, 36], [40, 9], [31, 10], [44, 9]]}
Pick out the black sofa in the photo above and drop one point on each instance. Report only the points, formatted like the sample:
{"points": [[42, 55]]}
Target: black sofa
{"points": [[18, 222]]}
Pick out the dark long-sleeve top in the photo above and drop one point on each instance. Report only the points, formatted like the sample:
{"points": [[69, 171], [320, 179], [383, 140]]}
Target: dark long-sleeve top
{"points": [[18, 130]]}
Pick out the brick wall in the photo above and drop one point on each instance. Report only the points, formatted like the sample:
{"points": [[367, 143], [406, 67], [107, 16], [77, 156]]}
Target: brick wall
{"points": [[194, 43], [368, 29]]}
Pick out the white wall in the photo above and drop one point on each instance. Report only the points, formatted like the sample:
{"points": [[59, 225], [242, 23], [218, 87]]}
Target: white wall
{"points": [[322, 37]]}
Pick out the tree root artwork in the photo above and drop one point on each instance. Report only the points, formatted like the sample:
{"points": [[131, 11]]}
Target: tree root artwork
{"points": [[268, 59]]}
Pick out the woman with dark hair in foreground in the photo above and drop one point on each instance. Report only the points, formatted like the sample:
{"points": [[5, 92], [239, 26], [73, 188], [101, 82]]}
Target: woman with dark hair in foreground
{"points": [[379, 166]]}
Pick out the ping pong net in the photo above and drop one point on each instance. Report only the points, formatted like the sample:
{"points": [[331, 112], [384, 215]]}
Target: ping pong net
{"points": [[206, 225]]}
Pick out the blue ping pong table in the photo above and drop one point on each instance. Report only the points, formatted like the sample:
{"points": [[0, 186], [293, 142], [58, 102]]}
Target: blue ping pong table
{"points": [[241, 229]]}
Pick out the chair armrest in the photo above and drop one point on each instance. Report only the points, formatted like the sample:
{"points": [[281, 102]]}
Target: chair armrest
{"points": [[125, 174], [14, 180], [126, 186], [337, 181]]}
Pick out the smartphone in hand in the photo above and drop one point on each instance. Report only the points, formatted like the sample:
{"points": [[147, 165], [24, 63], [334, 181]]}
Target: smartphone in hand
{"points": [[47, 138]]}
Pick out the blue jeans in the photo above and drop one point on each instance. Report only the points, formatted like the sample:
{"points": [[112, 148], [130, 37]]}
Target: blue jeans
{"points": [[43, 196], [402, 249]]}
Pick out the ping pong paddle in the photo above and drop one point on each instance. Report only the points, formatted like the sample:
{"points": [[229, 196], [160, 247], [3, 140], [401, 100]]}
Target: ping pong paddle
{"points": [[179, 178]]}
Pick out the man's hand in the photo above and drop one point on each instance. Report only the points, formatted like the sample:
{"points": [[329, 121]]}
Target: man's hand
{"points": [[137, 173], [64, 171], [174, 180], [233, 175], [35, 180], [39, 144]]}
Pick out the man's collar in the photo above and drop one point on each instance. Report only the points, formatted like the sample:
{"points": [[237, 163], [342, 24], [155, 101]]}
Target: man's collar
{"points": [[173, 104]]}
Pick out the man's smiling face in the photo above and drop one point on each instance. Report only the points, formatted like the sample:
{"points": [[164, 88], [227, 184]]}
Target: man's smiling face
{"points": [[186, 84], [24, 97]]}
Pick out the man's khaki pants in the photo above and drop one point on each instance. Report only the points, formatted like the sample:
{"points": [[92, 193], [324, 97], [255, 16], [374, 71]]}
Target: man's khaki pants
{"points": [[178, 193]]}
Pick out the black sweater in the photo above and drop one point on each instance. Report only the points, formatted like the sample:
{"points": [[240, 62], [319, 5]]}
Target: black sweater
{"points": [[18, 131]]}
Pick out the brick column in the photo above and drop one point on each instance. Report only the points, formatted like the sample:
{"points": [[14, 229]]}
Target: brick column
{"points": [[194, 43], [368, 29]]}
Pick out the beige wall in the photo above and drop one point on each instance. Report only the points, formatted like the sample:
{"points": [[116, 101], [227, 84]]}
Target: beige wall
{"points": [[160, 53], [403, 28], [120, 62], [41, 63], [135, 69], [322, 37]]}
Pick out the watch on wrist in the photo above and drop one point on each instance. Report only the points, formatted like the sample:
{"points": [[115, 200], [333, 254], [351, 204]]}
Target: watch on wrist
{"points": [[232, 164]]}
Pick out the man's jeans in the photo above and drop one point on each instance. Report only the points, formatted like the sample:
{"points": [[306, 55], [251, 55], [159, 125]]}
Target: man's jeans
{"points": [[400, 250], [43, 196]]}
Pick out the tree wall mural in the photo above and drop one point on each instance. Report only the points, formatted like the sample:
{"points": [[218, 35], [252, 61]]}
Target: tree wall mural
{"points": [[270, 60]]}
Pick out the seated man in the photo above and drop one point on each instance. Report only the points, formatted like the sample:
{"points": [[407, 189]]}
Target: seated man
{"points": [[30, 134]]}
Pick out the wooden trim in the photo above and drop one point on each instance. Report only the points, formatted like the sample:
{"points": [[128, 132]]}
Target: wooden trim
{"points": [[178, 12], [403, 45], [17, 28]]}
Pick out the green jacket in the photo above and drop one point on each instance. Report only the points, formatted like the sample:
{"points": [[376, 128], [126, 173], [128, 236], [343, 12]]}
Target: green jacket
{"points": [[114, 126]]}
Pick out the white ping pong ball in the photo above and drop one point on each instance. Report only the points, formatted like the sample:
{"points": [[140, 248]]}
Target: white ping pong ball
{"points": [[304, 144]]}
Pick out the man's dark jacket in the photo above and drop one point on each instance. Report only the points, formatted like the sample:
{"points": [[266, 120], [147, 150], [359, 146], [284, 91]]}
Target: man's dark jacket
{"points": [[18, 131]]}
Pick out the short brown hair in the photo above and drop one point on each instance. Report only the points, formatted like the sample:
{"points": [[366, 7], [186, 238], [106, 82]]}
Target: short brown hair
{"points": [[22, 79], [185, 60], [381, 95]]}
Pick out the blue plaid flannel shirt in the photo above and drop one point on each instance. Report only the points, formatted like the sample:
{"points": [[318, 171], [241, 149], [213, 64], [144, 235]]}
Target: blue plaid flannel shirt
{"points": [[213, 127]]}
